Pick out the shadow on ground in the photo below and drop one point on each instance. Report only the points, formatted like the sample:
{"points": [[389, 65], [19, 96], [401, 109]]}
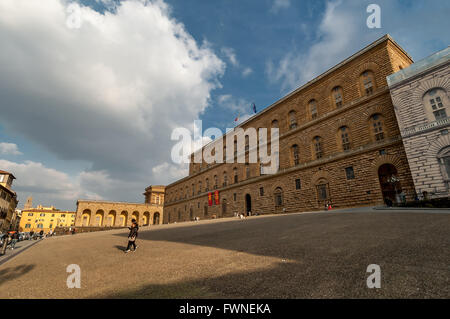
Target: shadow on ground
{"points": [[14, 272], [327, 256]]}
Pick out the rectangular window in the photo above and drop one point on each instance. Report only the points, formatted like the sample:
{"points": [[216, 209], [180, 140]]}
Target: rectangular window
{"points": [[350, 173], [261, 191], [440, 114], [298, 184], [234, 196]]}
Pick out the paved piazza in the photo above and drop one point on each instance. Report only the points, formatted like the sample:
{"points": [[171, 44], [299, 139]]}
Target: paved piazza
{"points": [[309, 255]]}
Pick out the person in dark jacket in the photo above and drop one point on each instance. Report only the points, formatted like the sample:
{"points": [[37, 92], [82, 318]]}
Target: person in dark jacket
{"points": [[14, 240], [132, 236]]}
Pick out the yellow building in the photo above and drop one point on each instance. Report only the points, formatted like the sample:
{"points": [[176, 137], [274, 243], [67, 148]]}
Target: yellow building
{"points": [[45, 218]]}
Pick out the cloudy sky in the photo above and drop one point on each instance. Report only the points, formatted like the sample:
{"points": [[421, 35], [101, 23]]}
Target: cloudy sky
{"points": [[88, 101]]}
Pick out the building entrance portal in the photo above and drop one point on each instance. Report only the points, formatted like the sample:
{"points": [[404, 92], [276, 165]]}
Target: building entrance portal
{"points": [[248, 204], [390, 183]]}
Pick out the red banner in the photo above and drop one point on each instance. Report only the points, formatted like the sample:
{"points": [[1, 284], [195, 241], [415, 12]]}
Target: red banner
{"points": [[216, 197], [209, 199]]}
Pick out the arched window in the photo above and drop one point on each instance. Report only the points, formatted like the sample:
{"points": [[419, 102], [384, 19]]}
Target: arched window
{"points": [[337, 96], [225, 179], [193, 189], [274, 123], [444, 163], [207, 184], [247, 170], [292, 119], [377, 124], [317, 142], [295, 156], [235, 173], [313, 109], [247, 142], [216, 182], [344, 135], [199, 187], [436, 104], [235, 148], [278, 196], [367, 82]]}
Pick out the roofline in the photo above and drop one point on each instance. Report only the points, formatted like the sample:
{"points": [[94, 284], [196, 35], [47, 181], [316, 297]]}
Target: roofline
{"points": [[8, 173], [113, 202], [386, 37]]}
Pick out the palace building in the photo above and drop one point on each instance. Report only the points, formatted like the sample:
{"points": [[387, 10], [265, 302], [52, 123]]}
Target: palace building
{"points": [[94, 213], [339, 144], [420, 94]]}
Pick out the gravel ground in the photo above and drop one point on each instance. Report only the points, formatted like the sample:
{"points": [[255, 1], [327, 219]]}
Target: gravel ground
{"points": [[309, 255]]}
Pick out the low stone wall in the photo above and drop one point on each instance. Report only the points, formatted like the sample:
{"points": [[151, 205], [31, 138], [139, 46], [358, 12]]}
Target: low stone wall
{"points": [[65, 230]]}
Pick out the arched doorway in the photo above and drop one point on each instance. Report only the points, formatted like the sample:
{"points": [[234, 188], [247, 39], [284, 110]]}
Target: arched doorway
{"points": [[111, 218], [248, 204], [390, 183], [135, 215], [146, 219], [156, 219], [224, 207], [123, 218], [99, 218], [86, 217]]}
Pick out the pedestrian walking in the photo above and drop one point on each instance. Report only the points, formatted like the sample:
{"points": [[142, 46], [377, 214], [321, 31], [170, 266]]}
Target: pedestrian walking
{"points": [[132, 236], [14, 239]]}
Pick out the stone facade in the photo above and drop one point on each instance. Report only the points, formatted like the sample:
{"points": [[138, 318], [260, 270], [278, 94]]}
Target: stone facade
{"points": [[8, 202], [339, 144], [116, 214], [421, 97]]}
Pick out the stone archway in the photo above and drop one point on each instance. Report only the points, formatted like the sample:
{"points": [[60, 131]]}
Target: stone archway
{"points": [[123, 218], [146, 219], [248, 204], [389, 183], [156, 218], [99, 216], [111, 219], [86, 217], [135, 215]]}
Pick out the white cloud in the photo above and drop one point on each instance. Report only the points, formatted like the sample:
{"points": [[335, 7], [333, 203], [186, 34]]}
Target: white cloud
{"points": [[9, 149], [109, 92], [280, 4], [230, 54], [246, 72], [343, 31], [237, 106], [296, 68]]}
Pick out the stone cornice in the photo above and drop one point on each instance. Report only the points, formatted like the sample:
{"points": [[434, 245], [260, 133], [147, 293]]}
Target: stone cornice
{"points": [[423, 128]]}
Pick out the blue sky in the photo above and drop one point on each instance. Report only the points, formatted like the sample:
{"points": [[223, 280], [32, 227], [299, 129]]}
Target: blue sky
{"points": [[88, 112]]}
